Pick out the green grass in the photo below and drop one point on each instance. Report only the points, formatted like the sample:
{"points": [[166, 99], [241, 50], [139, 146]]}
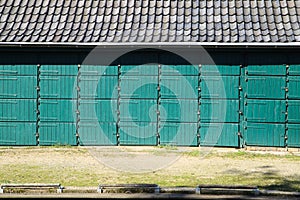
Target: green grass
{"points": [[57, 145], [75, 177], [253, 155], [240, 154], [41, 174], [167, 147], [197, 153], [92, 175]]}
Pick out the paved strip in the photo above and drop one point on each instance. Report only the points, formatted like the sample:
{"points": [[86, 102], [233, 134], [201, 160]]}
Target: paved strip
{"points": [[137, 196]]}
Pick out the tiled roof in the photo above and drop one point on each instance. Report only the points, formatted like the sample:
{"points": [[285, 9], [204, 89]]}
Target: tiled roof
{"points": [[114, 21]]}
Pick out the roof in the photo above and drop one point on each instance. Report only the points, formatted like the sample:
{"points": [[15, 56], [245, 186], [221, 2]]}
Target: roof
{"points": [[149, 21]]}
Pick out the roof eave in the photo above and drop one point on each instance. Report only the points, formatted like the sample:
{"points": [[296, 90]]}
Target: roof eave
{"points": [[148, 44]]}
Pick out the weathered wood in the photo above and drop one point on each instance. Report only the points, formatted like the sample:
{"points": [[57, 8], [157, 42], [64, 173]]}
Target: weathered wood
{"points": [[230, 189], [129, 188], [181, 190], [32, 186], [228, 186]]}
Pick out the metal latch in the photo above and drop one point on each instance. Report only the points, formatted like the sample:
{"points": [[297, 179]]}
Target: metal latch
{"points": [[240, 134], [285, 89]]}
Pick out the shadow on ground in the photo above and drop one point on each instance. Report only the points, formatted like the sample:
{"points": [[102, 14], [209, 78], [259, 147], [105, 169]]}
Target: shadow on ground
{"points": [[274, 181]]}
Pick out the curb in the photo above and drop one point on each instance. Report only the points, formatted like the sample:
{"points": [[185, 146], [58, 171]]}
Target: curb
{"points": [[195, 191], [255, 192], [279, 193]]}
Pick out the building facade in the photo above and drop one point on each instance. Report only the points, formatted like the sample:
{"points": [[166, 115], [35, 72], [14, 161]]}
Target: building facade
{"points": [[187, 73]]}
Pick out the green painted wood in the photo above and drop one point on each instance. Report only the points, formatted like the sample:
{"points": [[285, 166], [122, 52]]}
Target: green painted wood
{"points": [[178, 110], [220, 70], [138, 110], [266, 70], [57, 133], [183, 87], [52, 110], [98, 87], [58, 70], [263, 99], [293, 87], [17, 133], [293, 135], [98, 70], [265, 110], [225, 87], [294, 70], [179, 70], [18, 87], [97, 133], [263, 134], [265, 87], [139, 87], [219, 110], [18, 70], [293, 111], [139, 70], [17, 110], [219, 134], [178, 134], [98, 110], [56, 87], [140, 133]]}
